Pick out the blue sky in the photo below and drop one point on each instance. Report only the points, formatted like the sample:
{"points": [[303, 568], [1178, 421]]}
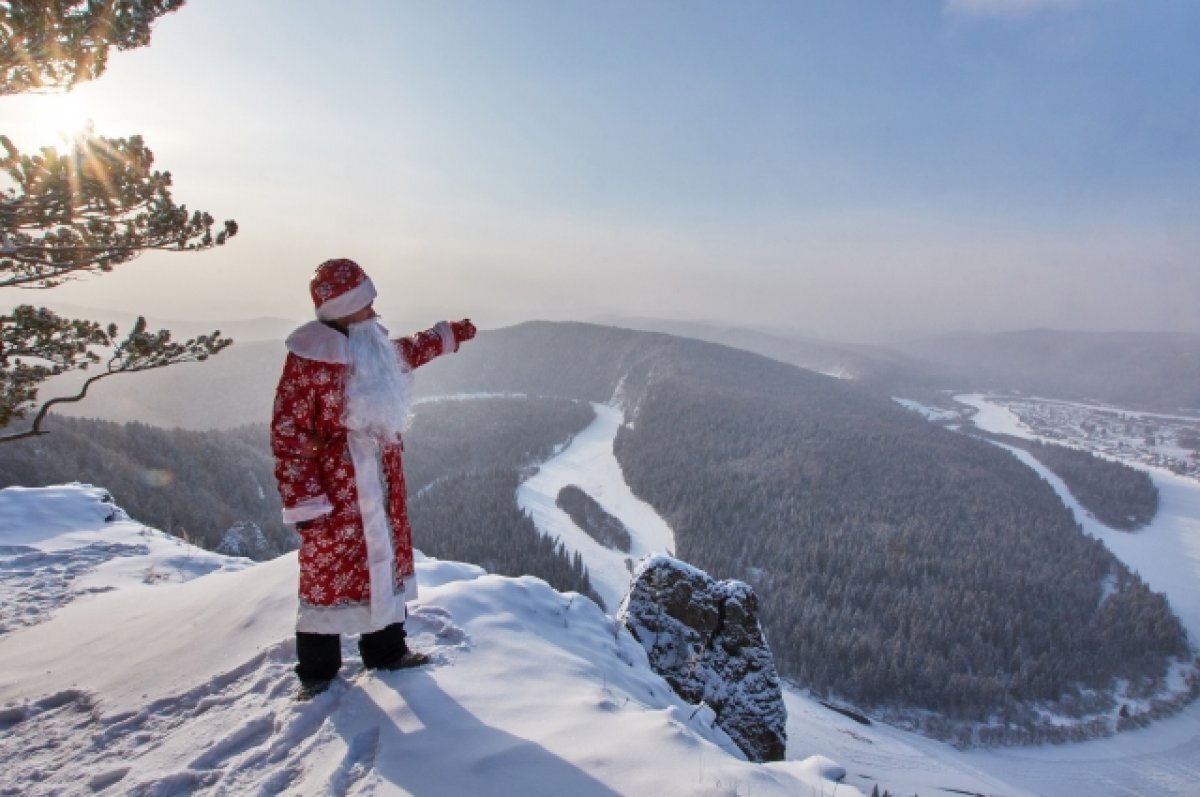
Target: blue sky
{"points": [[844, 168]]}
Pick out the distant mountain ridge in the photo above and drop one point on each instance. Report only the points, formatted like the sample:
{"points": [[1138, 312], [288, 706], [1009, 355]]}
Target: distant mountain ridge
{"points": [[1139, 370], [1156, 371], [1150, 371]]}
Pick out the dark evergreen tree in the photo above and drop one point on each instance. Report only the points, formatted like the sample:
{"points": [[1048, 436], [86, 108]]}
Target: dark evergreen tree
{"points": [[83, 210], [57, 43]]}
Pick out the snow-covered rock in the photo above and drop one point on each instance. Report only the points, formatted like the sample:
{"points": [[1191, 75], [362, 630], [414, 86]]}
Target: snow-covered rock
{"points": [[704, 638], [245, 538]]}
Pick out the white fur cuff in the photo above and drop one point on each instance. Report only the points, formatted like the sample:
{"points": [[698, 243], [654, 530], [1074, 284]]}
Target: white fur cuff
{"points": [[308, 509], [446, 333]]}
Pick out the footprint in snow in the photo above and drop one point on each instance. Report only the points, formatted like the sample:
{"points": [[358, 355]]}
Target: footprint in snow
{"points": [[238, 733]]}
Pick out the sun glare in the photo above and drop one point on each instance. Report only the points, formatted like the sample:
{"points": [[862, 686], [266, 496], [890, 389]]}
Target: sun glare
{"points": [[54, 119]]}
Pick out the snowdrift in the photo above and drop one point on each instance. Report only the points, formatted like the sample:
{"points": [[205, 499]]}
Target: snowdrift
{"points": [[139, 665]]}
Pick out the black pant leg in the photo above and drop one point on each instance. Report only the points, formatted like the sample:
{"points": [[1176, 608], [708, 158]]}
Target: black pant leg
{"points": [[383, 647], [318, 657]]}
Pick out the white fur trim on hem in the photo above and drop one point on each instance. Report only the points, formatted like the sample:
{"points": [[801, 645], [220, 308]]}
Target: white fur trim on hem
{"points": [[308, 509], [354, 618], [377, 528], [349, 302]]}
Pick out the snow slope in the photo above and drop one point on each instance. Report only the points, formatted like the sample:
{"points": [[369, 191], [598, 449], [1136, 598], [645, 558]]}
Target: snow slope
{"points": [[589, 463], [58, 543], [174, 687]]}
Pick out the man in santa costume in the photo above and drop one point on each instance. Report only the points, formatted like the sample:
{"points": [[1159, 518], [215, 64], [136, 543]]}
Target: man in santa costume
{"points": [[342, 403]]}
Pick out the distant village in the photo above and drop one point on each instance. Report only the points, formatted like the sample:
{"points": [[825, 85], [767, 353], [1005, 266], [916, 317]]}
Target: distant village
{"points": [[1164, 441]]}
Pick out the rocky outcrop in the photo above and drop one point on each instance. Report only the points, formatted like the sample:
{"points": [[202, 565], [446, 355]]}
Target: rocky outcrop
{"points": [[245, 538], [704, 638]]}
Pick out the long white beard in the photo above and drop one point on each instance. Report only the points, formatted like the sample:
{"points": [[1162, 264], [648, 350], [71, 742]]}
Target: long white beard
{"points": [[379, 387]]}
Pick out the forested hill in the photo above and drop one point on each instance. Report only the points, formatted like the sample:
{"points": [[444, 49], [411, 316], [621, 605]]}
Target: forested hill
{"points": [[900, 565], [1136, 370], [237, 388]]}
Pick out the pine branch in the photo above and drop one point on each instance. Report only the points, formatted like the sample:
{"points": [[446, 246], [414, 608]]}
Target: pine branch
{"points": [[64, 345], [90, 208], [57, 45]]}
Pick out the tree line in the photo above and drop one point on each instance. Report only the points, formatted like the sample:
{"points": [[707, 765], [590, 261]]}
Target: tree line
{"points": [[463, 462], [900, 565], [1120, 496], [195, 485]]}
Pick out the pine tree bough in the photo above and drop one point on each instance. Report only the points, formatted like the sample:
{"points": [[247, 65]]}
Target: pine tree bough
{"points": [[94, 205], [62, 345], [57, 45]]}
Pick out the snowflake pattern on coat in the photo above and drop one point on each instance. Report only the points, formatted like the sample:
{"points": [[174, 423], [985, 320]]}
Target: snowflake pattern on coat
{"points": [[313, 461]]}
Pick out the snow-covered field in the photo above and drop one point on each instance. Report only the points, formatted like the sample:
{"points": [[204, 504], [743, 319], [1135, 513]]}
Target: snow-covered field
{"points": [[589, 463], [162, 687]]}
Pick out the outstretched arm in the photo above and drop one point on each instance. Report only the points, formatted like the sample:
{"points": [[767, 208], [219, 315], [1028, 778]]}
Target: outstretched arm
{"points": [[442, 338]]}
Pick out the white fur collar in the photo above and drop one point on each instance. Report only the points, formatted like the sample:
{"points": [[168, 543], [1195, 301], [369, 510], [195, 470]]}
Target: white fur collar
{"points": [[315, 341]]}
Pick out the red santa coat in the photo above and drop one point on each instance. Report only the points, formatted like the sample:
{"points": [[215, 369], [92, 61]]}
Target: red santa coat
{"points": [[356, 554]]}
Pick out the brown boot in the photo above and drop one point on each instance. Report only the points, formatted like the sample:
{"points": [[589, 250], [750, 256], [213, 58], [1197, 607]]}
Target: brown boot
{"points": [[407, 660], [310, 689]]}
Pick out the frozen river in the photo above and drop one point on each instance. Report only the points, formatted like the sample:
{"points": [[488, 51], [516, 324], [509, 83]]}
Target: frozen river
{"points": [[1163, 759]]}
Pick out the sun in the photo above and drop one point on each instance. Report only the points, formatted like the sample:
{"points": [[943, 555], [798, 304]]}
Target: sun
{"points": [[54, 119]]}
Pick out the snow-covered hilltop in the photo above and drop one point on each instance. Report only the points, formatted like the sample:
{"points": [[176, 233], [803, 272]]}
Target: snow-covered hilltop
{"points": [[155, 686], [126, 684]]}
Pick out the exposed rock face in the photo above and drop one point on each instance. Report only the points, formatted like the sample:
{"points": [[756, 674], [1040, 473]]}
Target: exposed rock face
{"points": [[704, 638]]}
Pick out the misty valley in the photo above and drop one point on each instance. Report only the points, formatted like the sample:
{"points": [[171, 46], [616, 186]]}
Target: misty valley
{"points": [[906, 567]]}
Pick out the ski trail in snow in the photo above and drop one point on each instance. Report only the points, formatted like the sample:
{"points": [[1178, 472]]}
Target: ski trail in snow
{"points": [[590, 464], [239, 733]]}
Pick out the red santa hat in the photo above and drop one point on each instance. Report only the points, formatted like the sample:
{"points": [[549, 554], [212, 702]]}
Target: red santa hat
{"points": [[340, 288]]}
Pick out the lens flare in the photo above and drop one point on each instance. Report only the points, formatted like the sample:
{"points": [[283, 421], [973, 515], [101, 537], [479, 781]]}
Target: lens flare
{"points": [[158, 477]]}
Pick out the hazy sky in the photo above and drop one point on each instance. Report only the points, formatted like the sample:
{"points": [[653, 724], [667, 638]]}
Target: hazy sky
{"points": [[841, 167]]}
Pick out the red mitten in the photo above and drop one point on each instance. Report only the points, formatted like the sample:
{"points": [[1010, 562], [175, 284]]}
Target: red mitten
{"points": [[463, 330]]}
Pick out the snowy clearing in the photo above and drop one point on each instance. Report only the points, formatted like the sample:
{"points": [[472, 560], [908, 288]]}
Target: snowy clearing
{"points": [[589, 463], [530, 692], [927, 412], [993, 418]]}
